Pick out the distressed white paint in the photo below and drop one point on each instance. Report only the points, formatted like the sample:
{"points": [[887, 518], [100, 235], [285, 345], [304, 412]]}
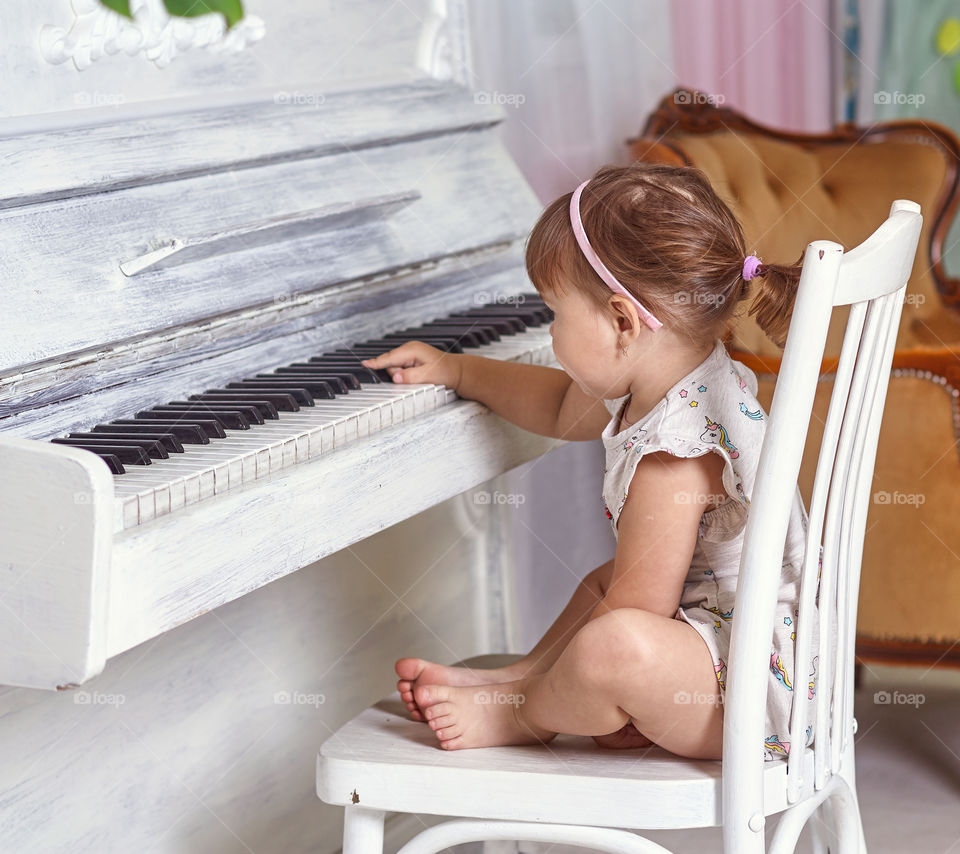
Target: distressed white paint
{"points": [[66, 256], [276, 229]]}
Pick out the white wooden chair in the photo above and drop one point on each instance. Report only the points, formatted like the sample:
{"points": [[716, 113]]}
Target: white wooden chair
{"points": [[571, 791]]}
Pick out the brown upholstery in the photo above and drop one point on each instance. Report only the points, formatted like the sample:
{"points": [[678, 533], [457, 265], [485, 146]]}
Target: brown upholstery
{"points": [[788, 189]]}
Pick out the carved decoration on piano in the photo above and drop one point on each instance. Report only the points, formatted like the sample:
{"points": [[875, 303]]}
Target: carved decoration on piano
{"points": [[97, 32]]}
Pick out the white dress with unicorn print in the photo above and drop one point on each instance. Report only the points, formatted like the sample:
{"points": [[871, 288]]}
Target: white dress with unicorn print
{"points": [[714, 408]]}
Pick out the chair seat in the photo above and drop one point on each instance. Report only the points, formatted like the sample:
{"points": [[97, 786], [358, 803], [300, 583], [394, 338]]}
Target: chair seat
{"points": [[381, 759]]}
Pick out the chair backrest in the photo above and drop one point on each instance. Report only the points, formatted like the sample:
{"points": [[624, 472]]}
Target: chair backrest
{"points": [[872, 280]]}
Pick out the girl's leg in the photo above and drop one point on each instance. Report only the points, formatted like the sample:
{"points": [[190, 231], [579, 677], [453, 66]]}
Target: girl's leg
{"points": [[418, 671], [628, 665]]}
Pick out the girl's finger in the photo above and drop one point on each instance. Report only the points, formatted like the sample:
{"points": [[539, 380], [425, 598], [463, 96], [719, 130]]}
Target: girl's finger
{"points": [[397, 356]]}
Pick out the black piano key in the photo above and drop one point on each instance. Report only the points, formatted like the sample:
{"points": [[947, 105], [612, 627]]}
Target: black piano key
{"points": [[362, 350], [317, 390], [125, 453], [168, 440], [189, 434], [333, 363], [113, 462], [300, 395], [249, 411], [281, 401], [341, 383], [531, 316], [211, 426], [231, 420], [463, 337], [514, 323], [155, 450], [264, 408], [500, 326], [485, 331]]}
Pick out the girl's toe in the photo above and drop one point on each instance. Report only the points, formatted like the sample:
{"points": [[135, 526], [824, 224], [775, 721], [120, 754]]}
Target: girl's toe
{"points": [[444, 722], [438, 710], [448, 733], [428, 695], [453, 743]]}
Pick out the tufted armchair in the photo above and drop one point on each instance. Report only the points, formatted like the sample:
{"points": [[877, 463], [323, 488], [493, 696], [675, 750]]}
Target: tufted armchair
{"points": [[788, 189]]}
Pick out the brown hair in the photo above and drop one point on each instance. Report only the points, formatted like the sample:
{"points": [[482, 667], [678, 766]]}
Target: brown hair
{"points": [[670, 241]]}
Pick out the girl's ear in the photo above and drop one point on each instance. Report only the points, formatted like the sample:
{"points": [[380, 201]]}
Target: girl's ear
{"points": [[624, 314]]}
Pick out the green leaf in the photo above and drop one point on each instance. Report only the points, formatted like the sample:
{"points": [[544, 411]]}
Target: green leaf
{"points": [[232, 10], [121, 6]]}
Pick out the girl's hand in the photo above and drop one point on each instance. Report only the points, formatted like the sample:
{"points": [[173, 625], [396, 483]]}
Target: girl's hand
{"points": [[417, 362]]}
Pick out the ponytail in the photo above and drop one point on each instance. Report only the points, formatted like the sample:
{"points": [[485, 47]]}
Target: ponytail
{"points": [[773, 302]]}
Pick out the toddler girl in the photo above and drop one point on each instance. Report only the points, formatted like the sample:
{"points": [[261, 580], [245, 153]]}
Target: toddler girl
{"points": [[643, 267]]}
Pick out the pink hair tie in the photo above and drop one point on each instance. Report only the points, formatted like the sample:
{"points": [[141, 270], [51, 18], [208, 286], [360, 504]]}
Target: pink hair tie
{"points": [[599, 267], [750, 265]]}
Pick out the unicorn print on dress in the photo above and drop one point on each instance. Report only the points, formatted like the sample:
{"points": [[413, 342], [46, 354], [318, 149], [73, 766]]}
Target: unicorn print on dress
{"points": [[715, 434], [776, 668], [773, 743], [721, 671], [723, 615]]}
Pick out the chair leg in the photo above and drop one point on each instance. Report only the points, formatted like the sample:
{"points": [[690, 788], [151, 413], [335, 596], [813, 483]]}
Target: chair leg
{"points": [[363, 830], [849, 775], [821, 830]]}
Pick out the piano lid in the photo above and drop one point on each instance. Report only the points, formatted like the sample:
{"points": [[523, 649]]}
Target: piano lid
{"points": [[220, 205]]}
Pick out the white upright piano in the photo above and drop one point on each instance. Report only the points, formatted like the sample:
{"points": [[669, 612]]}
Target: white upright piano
{"points": [[201, 235]]}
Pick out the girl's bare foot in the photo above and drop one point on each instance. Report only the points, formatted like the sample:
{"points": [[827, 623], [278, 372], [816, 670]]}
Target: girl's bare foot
{"points": [[477, 715], [628, 736], [419, 671]]}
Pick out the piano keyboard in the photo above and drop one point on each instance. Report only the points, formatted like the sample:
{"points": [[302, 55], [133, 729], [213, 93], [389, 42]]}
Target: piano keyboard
{"points": [[188, 450]]}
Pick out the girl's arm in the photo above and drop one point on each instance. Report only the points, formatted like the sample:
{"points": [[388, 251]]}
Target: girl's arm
{"points": [[657, 531], [531, 396]]}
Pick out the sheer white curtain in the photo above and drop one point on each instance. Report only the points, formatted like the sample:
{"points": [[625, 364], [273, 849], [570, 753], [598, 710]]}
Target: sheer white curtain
{"points": [[576, 78]]}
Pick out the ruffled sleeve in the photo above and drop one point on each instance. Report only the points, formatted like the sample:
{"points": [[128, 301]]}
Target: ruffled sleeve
{"points": [[727, 520], [724, 522]]}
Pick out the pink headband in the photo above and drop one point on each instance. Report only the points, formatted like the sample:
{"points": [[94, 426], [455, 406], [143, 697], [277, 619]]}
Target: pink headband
{"points": [[598, 265]]}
